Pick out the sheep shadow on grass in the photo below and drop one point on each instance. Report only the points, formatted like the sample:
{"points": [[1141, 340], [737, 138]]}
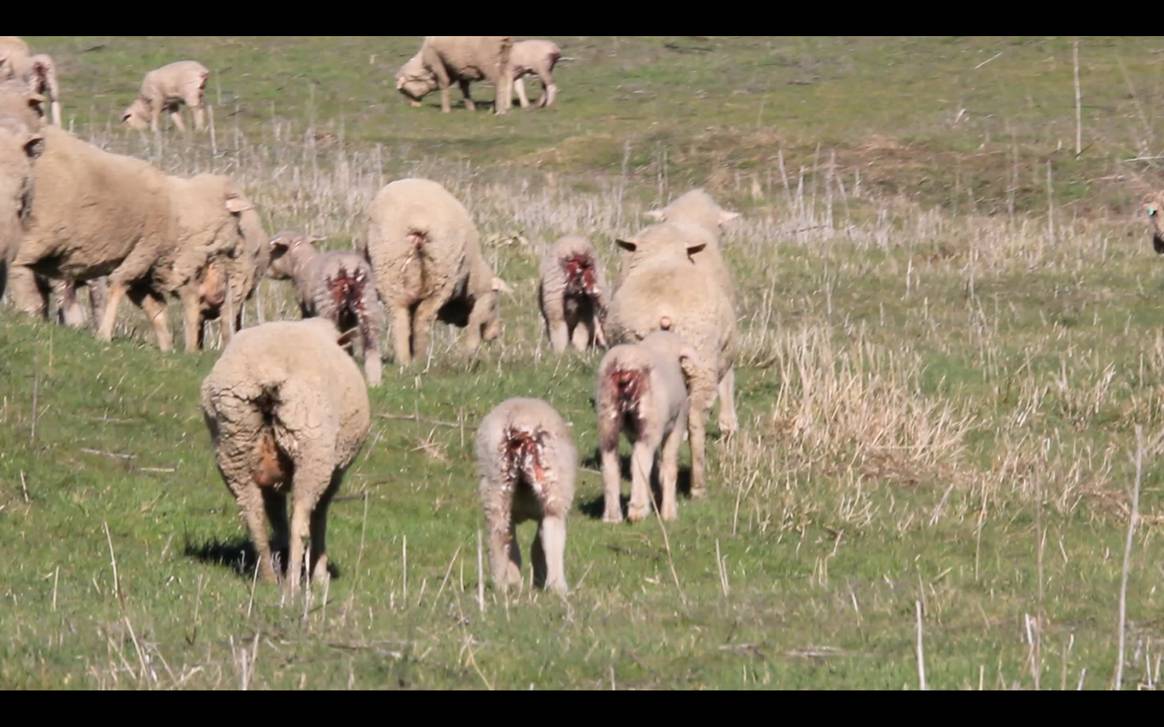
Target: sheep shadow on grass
{"points": [[238, 554], [596, 506]]}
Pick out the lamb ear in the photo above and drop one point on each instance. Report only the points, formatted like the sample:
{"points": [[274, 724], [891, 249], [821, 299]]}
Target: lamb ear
{"points": [[236, 204], [694, 249], [628, 245], [34, 146], [499, 286]]}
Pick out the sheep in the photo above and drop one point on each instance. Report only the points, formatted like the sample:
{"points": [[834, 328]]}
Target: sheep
{"points": [[97, 214], [1153, 204], [166, 89], [664, 290], [228, 284], [425, 252], [535, 57], [572, 294], [336, 285], [443, 59], [642, 391], [13, 51], [286, 409], [527, 464], [20, 148]]}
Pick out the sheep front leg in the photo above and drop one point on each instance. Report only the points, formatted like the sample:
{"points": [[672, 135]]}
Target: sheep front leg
{"points": [[468, 98], [24, 291], [56, 108], [551, 542], [155, 116], [642, 460], [199, 117], [519, 89], [549, 90], [191, 320], [611, 485], [402, 334], [176, 119]]}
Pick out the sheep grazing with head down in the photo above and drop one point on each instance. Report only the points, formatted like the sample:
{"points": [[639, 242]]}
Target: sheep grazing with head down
{"points": [[336, 285], [444, 59], [287, 411], [167, 89], [537, 58], [572, 294], [426, 254], [527, 463], [642, 392], [663, 290]]}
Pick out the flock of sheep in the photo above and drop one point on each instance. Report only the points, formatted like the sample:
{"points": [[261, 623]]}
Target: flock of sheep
{"points": [[286, 405]]}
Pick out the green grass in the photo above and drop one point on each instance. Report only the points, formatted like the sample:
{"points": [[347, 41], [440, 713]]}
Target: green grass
{"points": [[926, 395]]}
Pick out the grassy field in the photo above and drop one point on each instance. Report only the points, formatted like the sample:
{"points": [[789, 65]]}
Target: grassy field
{"points": [[950, 337]]}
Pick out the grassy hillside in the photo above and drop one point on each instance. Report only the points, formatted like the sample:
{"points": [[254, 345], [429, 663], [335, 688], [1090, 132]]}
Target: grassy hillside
{"points": [[939, 397]]}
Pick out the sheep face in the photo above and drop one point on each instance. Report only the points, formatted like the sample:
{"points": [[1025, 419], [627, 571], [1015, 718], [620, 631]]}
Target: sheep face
{"points": [[1154, 208], [137, 115], [414, 81], [18, 149]]}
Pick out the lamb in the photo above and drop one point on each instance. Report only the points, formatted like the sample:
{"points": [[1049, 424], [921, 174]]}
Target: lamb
{"points": [[426, 255], [97, 214], [287, 409], [443, 59], [336, 285], [663, 290], [572, 294], [527, 464], [535, 57], [168, 88], [20, 148]]}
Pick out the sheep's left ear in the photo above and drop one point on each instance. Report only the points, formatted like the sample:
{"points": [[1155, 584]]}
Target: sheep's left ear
{"points": [[236, 204], [34, 146], [727, 216], [693, 249], [628, 245], [499, 286]]}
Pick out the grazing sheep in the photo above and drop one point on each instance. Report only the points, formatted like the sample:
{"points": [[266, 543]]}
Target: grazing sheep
{"points": [[697, 207], [19, 150], [336, 285], [572, 294], [642, 391], [663, 290], [535, 57], [167, 89], [527, 463], [97, 214], [463, 59], [287, 411], [241, 273], [426, 254]]}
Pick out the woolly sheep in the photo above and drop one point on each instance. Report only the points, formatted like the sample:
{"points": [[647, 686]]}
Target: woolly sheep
{"points": [[1153, 205], [572, 294], [287, 411], [167, 89], [663, 290], [699, 208], [426, 254], [229, 284], [97, 213], [535, 57], [337, 285], [642, 391], [463, 59], [20, 147], [527, 464]]}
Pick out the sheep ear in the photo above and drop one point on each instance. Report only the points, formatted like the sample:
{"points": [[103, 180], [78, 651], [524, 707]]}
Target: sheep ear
{"points": [[345, 339], [279, 242], [628, 245], [656, 215], [499, 286], [400, 83], [694, 249], [726, 216], [34, 146], [236, 204], [125, 116]]}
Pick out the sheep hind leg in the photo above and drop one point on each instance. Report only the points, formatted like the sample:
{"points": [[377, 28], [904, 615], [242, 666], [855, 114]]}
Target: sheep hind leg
{"points": [[669, 469], [611, 481], [154, 306], [550, 548], [582, 335], [319, 572], [275, 505], [468, 98], [728, 424], [117, 291], [504, 556], [252, 508], [559, 335], [642, 460], [519, 89], [402, 334], [422, 320]]}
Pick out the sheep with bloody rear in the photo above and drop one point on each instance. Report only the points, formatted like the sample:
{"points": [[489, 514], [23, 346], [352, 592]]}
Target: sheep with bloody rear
{"points": [[527, 464], [573, 294]]}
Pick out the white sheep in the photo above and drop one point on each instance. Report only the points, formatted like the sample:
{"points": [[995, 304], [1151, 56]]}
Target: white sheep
{"points": [[572, 294], [538, 58], [337, 285], [287, 411], [443, 59], [19, 149], [642, 391], [527, 464], [167, 89], [663, 290], [426, 254]]}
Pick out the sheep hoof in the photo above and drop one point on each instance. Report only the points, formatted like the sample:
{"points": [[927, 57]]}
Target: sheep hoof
{"points": [[612, 517], [698, 493], [635, 513]]}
